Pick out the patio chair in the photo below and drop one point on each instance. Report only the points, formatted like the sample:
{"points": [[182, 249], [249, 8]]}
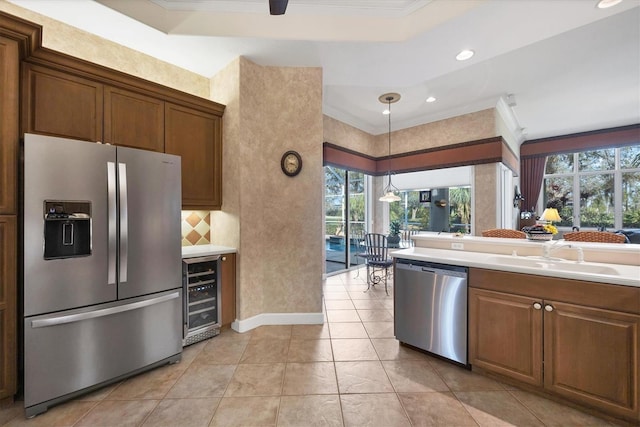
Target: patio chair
{"points": [[377, 260], [504, 233], [595, 236], [360, 248]]}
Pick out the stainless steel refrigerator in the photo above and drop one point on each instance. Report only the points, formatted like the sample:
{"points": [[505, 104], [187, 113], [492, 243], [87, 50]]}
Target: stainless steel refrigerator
{"points": [[102, 294]]}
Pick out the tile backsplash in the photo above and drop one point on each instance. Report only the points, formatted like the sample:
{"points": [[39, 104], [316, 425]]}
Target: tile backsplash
{"points": [[196, 228]]}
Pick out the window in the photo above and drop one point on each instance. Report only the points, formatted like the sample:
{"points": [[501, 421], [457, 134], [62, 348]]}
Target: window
{"points": [[460, 209], [412, 214], [595, 189], [449, 210]]}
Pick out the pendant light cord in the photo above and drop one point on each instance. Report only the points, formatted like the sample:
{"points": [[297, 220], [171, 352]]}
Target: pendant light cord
{"points": [[389, 158], [389, 190], [389, 186]]}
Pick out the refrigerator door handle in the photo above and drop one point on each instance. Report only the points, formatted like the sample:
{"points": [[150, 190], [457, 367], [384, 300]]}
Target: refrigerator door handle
{"points": [[124, 222], [71, 318], [112, 230]]}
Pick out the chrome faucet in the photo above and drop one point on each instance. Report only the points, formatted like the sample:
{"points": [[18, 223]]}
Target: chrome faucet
{"points": [[548, 249]]}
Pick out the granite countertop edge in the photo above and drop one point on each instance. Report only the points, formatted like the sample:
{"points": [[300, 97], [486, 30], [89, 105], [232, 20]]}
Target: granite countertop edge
{"points": [[203, 250], [629, 275]]}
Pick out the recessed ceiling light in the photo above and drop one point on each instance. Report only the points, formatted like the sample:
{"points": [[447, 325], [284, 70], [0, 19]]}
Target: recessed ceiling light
{"points": [[386, 112], [603, 4], [464, 55], [431, 99]]}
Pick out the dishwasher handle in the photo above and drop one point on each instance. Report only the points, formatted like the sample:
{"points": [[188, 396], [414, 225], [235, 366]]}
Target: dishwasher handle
{"points": [[437, 269]]}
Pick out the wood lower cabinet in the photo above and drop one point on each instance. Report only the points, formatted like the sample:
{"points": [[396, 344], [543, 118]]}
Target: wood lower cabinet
{"points": [[8, 277], [592, 356], [228, 291], [550, 333], [61, 104], [133, 120], [196, 136], [505, 335]]}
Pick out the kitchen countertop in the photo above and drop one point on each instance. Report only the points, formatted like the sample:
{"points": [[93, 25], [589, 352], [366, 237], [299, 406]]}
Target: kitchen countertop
{"points": [[203, 250], [626, 275]]}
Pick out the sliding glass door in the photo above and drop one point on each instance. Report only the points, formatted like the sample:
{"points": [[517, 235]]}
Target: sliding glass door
{"points": [[345, 216]]}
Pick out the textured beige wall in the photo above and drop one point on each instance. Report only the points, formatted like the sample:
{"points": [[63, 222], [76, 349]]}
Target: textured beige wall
{"points": [[469, 127], [225, 89], [225, 230], [80, 44], [486, 196], [269, 111], [344, 135], [282, 110]]}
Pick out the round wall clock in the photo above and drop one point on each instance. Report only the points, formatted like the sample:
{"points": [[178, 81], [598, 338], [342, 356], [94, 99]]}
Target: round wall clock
{"points": [[291, 163]]}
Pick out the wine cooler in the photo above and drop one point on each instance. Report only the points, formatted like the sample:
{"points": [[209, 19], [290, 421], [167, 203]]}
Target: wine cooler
{"points": [[201, 278]]}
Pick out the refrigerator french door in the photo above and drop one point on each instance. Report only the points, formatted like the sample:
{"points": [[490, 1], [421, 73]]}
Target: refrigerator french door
{"points": [[102, 294]]}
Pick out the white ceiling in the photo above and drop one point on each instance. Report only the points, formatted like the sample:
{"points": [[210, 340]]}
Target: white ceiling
{"points": [[570, 66]]}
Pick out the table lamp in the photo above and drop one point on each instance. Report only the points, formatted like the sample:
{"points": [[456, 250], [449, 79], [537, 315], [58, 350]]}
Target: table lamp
{"points": [[550, 215]]}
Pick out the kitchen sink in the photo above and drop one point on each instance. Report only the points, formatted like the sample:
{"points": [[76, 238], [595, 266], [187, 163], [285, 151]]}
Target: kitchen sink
{"points": [[549, 259], [552, 263]]}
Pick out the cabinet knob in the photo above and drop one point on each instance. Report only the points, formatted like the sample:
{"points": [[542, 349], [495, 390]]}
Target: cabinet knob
{"points": [[224, 258], [548, 307], [537, 305]]}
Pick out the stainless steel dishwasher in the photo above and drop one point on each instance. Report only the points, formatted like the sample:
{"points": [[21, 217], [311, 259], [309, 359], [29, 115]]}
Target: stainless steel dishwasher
{"points": [[430, 307]]}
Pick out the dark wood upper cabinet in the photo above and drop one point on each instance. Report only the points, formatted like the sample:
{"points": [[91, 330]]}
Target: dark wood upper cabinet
{"points": [[61, 104], [133, 120], [9, 90], [197, 137], [71, 98]]}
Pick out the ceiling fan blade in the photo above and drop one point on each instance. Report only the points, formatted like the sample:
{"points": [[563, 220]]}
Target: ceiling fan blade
{"points": [[278, 7]]}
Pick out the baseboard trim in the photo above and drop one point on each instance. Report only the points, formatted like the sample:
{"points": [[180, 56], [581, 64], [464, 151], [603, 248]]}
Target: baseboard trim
{"points": [[277, 319]]}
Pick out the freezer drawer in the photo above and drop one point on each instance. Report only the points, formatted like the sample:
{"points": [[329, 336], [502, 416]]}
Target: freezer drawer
{"points": [[70, 351]]}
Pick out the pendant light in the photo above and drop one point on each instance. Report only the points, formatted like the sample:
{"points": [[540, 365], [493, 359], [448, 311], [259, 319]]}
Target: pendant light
{"points": [[389, 191]]}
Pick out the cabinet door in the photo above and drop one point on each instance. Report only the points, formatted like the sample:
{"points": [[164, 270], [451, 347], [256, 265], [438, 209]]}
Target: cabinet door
{"points": [[8, 303], [591, 356], [196, 137], [61, 104], [133, 120], [9, 119], [228, 278], [505, 335]]}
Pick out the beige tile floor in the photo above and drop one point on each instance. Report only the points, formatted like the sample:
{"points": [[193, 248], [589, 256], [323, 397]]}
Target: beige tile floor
{"points": [[348, 372]]}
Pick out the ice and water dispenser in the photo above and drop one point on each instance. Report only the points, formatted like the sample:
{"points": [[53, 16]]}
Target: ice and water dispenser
{"points": [[67, 229]]}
